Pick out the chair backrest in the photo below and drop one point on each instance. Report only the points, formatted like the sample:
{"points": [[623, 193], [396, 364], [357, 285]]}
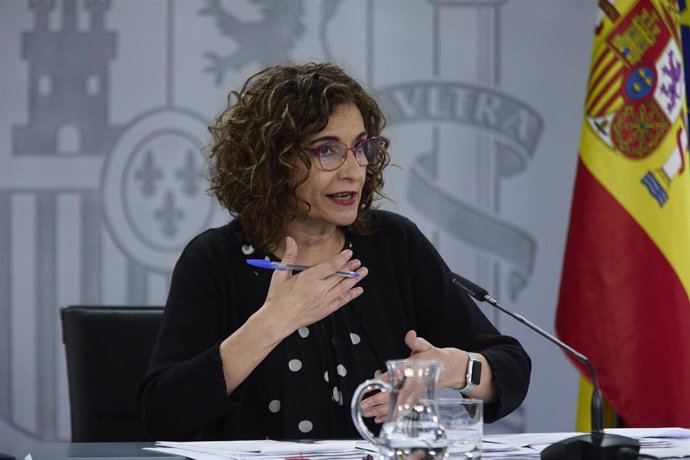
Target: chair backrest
{"points": [[108, 350]]}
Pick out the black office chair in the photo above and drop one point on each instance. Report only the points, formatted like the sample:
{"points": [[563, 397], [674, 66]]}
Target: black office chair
{"points": [[108, 350]]}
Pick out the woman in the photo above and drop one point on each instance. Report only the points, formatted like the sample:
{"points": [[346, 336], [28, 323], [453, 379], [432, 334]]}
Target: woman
{"points": [[246, 353]]}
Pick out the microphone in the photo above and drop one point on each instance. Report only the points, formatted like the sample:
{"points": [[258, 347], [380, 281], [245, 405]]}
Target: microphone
{"points": [[595, 446]]}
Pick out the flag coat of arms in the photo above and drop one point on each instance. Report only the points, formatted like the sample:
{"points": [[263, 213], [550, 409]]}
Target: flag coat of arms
{"points": [[624, 297]]}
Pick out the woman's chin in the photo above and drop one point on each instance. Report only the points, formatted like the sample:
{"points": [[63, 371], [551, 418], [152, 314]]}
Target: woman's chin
{"points": [[344, 221]]}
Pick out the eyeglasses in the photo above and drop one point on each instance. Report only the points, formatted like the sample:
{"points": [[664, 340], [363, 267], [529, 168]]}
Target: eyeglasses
{"points": [[333, 154]]}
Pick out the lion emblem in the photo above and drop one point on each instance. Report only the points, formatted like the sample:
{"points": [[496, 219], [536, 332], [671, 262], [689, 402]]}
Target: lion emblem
{"points": [[265, 42]]}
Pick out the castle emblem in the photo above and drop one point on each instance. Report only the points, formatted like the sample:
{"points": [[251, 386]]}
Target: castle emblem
{"points": [[68, 104]]}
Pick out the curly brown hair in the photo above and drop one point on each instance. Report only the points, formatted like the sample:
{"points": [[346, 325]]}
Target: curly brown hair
{"points": [[258, 139]]}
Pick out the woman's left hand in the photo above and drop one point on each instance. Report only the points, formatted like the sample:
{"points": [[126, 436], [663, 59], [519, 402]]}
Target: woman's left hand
{"points": [[377, 406], [454, 360], [452, 375]]}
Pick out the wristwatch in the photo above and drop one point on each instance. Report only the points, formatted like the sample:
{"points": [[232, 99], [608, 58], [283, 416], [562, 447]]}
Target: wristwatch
{"points": [[474, 373]]}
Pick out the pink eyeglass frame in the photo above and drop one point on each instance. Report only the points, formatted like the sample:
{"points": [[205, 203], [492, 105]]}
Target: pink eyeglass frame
{"points": [[352, 149]]}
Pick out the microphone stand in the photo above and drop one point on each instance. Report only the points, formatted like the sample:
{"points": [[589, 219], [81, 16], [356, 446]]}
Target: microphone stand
{"points": [[596, 445]]}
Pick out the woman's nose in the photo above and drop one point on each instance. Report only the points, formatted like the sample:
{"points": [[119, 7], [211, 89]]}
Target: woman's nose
{"points": [[350, 166]]}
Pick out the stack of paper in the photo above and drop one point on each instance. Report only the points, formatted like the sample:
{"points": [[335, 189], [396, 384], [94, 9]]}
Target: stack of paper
{"points": [[266, 450], [657, 442]]}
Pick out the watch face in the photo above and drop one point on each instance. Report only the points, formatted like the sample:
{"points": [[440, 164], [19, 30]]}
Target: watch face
{"points": [[476, 372]]}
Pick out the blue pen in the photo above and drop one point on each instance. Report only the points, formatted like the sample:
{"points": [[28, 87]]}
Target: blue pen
{"points": [[261, 263]]}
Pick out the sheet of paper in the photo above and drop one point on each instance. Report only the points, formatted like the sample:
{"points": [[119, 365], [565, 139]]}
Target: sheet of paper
{"points": [[638, 433], [264, 449], [660, 442]]}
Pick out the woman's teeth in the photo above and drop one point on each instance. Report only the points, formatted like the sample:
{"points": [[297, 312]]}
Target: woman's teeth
{"points": [[342, 196]]}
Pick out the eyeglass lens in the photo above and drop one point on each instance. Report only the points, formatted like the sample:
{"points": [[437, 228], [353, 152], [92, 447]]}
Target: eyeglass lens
{"points": [[333, 154]]}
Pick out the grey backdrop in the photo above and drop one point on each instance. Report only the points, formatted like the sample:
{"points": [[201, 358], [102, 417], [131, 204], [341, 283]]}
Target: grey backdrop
{"points": [[104, 113]]}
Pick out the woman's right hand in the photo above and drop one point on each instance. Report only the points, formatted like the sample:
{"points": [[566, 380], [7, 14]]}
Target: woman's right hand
{"points": [[293, 301], [304, 298]]}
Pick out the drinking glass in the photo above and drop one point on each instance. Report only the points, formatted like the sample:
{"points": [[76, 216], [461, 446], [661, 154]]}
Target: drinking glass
{"points": [[463, 421]]}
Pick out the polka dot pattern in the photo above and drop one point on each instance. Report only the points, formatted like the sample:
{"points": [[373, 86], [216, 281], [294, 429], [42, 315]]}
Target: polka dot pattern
{"points": [[274, 406], [341, 370], [331, 356], [305, 426], [337, 396]]}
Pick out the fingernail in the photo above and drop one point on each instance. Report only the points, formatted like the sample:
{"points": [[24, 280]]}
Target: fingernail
{"points": [[347, 252]]}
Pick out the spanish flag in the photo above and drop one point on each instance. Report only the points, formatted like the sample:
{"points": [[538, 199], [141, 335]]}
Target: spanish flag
{"points": [[625, 290]]}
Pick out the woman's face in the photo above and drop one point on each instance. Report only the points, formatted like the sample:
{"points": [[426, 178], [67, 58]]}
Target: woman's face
{"points": [[335, 195]]}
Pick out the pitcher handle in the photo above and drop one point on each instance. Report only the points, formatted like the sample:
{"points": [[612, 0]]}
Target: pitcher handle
{"points": [[356, 410]]}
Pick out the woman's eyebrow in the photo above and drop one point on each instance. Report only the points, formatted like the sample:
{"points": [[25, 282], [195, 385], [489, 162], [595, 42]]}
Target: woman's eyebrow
{"points": [[335, 138], [324, 138], [361, 135]]}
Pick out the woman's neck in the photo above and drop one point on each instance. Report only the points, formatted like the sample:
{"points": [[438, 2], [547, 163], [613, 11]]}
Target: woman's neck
{"points": [[313, 245]]}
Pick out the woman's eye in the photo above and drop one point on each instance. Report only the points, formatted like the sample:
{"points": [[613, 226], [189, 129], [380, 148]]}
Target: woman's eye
{"points": [[326, 150]]}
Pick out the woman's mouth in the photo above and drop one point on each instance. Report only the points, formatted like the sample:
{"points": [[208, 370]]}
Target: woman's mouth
{"points": [[343, 198]]}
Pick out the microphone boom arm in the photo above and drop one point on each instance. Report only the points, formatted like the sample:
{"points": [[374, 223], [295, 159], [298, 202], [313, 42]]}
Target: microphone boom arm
{"points": [[595, 445], [597, 402]]}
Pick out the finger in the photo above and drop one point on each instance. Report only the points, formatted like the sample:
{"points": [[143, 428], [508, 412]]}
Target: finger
{"points": [[346, 298], [376, 406], [379, 412], [329, 267], [344, 284], [376, 400], [415, 343], [290, 256], [345, 290], [353, 265]]}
